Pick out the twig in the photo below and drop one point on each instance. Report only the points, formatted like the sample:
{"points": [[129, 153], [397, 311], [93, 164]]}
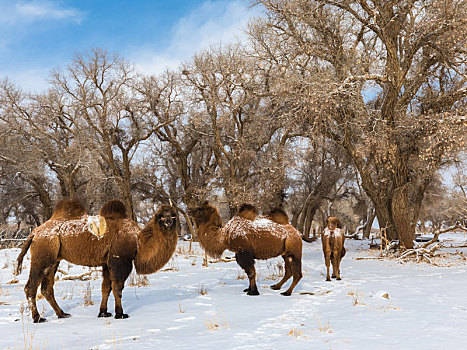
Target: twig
{"points": [[83, 277]]}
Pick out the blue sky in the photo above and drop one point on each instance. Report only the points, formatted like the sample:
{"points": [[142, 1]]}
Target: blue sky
{"points": [[39, 35]]}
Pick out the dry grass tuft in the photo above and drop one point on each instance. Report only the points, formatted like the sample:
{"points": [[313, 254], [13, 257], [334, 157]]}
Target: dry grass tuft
{"points": [[135, 280], [275, 270], [88, 295], [29, 330], [324, 328], [202, 290], [357, 298], [216, 323]]}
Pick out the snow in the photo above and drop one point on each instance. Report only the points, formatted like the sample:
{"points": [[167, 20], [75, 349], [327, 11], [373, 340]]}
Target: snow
{"points": [[261, 226], [337, 232], [379, 304]]}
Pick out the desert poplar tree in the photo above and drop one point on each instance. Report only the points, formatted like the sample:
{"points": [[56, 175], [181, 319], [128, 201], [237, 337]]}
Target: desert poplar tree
{"points": [[112, 119], [386, 81]]}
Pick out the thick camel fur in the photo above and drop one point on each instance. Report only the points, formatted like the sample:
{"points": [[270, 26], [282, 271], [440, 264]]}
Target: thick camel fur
{"points": [[333, 247], [279, 216], [259, 238], [248, 211], [68, 236]]}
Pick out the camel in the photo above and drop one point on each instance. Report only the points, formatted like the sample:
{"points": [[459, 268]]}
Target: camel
{"points": [[333, 246], [67, 235], [250, 238]]}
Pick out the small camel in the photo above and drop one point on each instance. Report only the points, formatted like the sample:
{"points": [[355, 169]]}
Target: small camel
{"points": [[333, 246], [68, 235], [250, 237]]}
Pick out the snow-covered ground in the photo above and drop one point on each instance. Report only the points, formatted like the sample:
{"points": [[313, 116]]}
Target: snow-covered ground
{"points": [[379, 304]]}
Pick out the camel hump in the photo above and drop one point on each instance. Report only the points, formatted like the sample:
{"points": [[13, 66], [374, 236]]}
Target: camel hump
{"points": [[68, 209], [113, 209], [279, 216], [248, 211]]}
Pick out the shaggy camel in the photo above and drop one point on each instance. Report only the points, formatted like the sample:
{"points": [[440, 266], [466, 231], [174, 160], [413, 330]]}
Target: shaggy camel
{"points": [[250, 239], [67, 235], [333, 246]]}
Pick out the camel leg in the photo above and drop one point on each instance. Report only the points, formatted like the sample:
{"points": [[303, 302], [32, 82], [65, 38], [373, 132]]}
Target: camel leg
{"points": [[119, 268], [335, 266], [47, 290], [297, 274], [106, 289], [338, 268], [327, 260], [287, 274], [35, 278], [247, 263], [117, 289]]}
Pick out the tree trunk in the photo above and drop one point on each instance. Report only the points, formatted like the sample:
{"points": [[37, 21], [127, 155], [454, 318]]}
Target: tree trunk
{"points": [[401, 213], [369, 223]]}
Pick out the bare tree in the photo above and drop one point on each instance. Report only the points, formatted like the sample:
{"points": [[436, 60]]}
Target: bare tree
{"points": [[385, 81], [112, 119]]}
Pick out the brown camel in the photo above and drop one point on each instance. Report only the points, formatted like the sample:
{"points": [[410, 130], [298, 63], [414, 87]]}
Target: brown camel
{"points": [[67, 235], [249, 239], [333, 246]]}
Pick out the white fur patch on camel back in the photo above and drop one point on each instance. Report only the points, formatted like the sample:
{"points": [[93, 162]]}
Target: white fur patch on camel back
{"points": [[97, 225], [337, 232], [238, 226]]}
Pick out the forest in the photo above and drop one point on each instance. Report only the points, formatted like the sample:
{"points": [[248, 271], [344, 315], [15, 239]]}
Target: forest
{"points": [[331, 107]]}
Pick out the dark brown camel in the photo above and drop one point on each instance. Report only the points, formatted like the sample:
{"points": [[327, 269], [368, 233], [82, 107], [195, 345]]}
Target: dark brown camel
{"points": [[333, 247], [250, 239], [67, 236]]}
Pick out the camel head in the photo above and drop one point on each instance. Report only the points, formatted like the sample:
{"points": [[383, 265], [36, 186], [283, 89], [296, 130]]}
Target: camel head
{"points": [[333, 223], [166, 217]]}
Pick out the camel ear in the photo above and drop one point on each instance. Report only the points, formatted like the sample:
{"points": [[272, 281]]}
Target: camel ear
{"points": [[205, 203]]}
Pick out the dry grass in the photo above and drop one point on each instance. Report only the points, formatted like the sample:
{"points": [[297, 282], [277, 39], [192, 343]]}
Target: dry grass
{"points": [[68, 295], [357, 298], [275, 270], [202, 290], [216, 323], [180, 310], [88, 295], [296, 333], [135, 280], [29, 330], [324, 327]]}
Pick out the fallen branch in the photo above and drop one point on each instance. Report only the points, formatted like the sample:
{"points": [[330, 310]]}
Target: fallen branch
{"points": [[226, 259], [83, 277], [444, 230]]}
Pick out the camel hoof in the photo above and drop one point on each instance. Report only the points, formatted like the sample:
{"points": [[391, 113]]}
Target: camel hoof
{"points": [[328, 279], [246, 290], [122, 316], [275, 287], [39, 320], [64, 315], [104, 314], [255, 292], [286, 294], [338, 278]]}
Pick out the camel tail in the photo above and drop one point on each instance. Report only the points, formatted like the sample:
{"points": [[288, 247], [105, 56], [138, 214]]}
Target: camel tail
{"points": [[24, 250]]}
